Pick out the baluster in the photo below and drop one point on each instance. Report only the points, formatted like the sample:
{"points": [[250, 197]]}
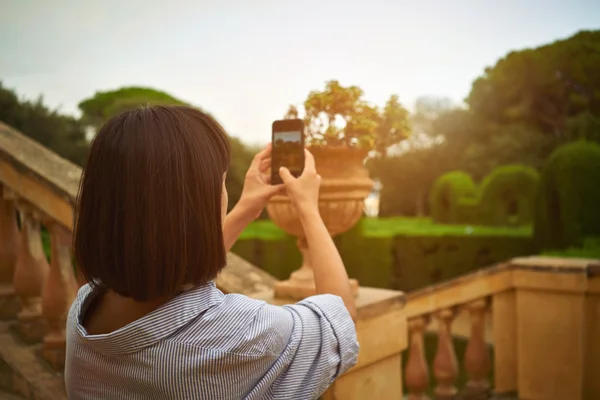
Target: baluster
{"points": [[477, 358], [58, 294], [445, 366], [416, 372], [30, 274], [9, 250]]}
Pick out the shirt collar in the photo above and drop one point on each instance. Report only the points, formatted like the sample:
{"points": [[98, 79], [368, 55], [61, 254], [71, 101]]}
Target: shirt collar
{"points": [[151, 328]]}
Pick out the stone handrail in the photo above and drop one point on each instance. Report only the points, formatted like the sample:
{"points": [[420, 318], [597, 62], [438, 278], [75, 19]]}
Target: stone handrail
{"points": [[40, 188], [531, 302]]}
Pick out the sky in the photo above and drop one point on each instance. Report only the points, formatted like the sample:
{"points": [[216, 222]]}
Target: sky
{"points": [[246, 61]]}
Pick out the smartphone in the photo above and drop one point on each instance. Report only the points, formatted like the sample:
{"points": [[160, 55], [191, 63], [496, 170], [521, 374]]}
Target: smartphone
{"points": [[288, 148]]}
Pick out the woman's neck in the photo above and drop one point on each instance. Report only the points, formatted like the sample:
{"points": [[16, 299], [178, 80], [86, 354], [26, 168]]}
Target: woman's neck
{"points": [[109, 312]]}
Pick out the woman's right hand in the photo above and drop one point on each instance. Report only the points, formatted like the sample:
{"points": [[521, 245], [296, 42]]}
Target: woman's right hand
{"points": [[304, 190]]}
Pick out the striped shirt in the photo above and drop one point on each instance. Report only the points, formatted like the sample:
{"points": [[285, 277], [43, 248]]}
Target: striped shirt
{"points": [[204, 344]]}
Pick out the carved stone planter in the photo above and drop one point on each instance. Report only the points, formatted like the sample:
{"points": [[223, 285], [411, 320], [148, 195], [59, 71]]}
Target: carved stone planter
{"points": [[345, 185]]}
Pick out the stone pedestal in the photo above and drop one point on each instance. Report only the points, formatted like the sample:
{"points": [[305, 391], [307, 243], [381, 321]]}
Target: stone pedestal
{"points": [[54, 355], [302, 285], [32, 328], [9, 303], [382, 334], [546, 330]]}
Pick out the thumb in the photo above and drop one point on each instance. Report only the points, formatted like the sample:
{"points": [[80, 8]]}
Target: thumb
{"points": [[285, 175], [276, 189]]}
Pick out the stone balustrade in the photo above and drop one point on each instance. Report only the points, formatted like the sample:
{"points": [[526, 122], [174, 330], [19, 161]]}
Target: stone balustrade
{"points": [[542, 316]]}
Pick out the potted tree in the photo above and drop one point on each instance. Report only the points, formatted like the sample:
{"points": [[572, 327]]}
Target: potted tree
{"points": [[341, 130]]}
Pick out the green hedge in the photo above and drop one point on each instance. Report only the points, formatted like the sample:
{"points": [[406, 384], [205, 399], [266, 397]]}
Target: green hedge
{"points": [[398, 253], [447, 192], [505, 197], [568, 198], [271, 253], [590, 249]]}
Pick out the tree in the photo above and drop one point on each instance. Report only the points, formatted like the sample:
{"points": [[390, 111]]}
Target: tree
{"points": [[393, 126], [566, 211], [427, 110], [62, 134], [542, 87], [103, 105], [584, 126], [477, 146], [97, 109], [406, 175], [519, 111]]}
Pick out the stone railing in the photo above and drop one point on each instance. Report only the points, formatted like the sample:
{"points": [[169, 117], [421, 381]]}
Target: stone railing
{"points": [[38, 189], [542, 316]]}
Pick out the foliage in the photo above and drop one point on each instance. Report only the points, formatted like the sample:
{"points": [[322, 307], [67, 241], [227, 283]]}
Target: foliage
{"points": [[426, 111], [446, 194], [518, 112], [590, 250], [97, 109], [504, 198], [507, 196], [542, 87], [411, 167], [568, 198], [477, 146], [584, 126], [514, 144], [339, 115], [407, 174], [62, 134]]}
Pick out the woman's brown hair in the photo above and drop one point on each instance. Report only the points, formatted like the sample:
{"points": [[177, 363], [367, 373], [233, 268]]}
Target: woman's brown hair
{"points": [[148, 216]]}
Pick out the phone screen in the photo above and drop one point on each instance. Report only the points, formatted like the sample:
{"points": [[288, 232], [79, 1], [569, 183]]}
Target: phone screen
{"points": [[288, 151]]}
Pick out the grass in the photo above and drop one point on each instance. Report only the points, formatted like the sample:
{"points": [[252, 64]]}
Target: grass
{"points": [[385, 227], [590, 249], [396, 226], [264, 230]]}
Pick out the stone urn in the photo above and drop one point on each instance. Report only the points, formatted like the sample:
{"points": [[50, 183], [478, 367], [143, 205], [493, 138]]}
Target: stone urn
{"points": [[344, 186]]}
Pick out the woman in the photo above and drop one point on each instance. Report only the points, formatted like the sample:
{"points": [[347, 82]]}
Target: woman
{"points": [[151, 235]]}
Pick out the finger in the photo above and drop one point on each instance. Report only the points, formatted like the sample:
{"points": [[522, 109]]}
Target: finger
{"points": [[285, 175], [276, 189], [261, 155], [264, 165], [309, 162]]}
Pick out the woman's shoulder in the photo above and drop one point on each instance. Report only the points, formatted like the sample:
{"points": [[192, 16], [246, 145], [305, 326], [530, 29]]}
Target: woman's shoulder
{"points": [[261, 315], [280, 321], [239, 325]]}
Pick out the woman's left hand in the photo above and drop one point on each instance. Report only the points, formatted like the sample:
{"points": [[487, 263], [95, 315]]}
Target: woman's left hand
{"points": [[257, 185]]}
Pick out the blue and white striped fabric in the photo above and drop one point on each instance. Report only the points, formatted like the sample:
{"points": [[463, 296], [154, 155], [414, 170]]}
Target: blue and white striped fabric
{"points": [[204, 344]]}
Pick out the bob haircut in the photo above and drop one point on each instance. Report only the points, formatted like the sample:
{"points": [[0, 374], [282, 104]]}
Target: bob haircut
{"points": [[148, 215]]}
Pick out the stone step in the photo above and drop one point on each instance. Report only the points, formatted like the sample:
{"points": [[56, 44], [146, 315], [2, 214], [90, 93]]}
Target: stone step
{"points": [[24, 372], [8, 396]]}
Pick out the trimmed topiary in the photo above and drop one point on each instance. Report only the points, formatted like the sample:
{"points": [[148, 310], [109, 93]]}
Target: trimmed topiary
{"points": [[507, 196], [448, 191], [568, 197]]}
